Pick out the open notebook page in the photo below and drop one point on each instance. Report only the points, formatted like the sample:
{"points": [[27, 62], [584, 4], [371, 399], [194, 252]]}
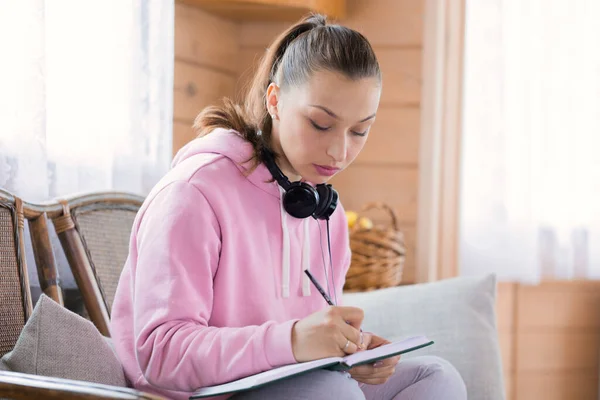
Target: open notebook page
{"points": [[276, 374], [386, 350]]}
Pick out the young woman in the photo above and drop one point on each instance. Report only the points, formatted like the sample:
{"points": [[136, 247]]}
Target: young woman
{"points": [[214, 288]]}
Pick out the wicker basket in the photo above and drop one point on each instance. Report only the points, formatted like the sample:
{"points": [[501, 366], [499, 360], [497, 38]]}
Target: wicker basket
{"points": [[378, 254]]}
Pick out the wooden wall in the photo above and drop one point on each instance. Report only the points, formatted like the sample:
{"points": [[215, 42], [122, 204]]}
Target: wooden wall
{"points": [[550, 339], [206, 57]]}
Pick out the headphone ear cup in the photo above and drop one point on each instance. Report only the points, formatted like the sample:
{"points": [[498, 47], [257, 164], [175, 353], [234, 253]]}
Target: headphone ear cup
{"points": [[300, 200], [328, 198]]}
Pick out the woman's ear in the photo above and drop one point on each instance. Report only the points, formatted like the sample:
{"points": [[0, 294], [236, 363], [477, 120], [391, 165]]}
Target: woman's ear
{"points": [[273, 100]]}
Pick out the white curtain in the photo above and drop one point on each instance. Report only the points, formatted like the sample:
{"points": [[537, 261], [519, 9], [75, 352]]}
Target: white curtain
{"points": [[85, 95], [530, 196]]}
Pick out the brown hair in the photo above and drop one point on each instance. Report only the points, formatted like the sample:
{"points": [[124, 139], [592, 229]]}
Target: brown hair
{"points": [[306, 47]]}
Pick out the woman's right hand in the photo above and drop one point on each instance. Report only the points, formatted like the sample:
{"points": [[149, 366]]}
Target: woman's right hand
{"points": [[325, 333]]}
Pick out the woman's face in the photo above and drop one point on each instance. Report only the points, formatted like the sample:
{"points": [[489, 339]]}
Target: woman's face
{"points": [[320, 127]]}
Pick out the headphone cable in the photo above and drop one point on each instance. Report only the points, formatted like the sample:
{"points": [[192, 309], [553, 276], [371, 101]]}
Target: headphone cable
{"points": [[323, 259], [331, 263]]}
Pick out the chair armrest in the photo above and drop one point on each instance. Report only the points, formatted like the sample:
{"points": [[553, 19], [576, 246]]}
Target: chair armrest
{"points": [[15, 385]]}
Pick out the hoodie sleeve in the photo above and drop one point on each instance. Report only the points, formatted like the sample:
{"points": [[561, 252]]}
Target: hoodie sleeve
{"points": [[178, 244]]}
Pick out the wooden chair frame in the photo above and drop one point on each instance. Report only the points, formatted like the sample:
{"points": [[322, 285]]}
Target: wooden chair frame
{"points": [[80, 261], [42, 249], [14, 385]]}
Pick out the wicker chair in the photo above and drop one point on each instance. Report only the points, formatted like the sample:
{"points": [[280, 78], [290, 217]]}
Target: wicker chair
{"points": [[94, 231], [13, 265], [16, 304]]}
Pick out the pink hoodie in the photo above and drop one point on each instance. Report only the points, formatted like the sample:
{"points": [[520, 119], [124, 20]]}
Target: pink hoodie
{"points": [[214, 279]]}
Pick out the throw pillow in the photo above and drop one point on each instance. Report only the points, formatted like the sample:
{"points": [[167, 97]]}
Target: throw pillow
{"points": [[58, 343], [458, 314]]}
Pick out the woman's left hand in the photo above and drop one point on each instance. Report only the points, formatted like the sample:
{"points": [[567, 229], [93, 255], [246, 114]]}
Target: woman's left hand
{"points": [[378, 373]]}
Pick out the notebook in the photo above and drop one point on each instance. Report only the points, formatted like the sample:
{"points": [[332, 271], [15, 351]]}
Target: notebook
{"points": [[331, 363]]}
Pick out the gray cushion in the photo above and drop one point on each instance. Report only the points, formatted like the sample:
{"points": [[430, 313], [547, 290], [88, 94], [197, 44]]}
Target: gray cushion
{"points": [[458, 314], [59, 343]]}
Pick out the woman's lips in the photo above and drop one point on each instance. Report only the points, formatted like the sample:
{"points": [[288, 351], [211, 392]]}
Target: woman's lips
{"points": [[325, 170]]}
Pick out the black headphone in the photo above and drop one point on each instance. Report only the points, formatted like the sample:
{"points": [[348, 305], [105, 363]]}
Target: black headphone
{"points": [[300, 199]]}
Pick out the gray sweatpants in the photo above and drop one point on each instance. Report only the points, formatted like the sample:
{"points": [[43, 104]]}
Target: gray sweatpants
{"points": [[419, 378]]}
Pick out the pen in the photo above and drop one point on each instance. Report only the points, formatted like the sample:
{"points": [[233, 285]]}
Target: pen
{"points": [[326, 297], [319, 288]]}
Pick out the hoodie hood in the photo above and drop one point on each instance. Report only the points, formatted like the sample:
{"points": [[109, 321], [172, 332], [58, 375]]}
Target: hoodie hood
{"points": [[229, 144], [220, 141]]}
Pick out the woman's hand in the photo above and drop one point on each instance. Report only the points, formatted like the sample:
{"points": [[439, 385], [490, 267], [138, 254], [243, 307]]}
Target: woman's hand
{"points": [[333, 332], [378, 373]]}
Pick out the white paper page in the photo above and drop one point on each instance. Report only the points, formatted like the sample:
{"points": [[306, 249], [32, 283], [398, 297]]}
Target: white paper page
{"points": [[386, 349]]}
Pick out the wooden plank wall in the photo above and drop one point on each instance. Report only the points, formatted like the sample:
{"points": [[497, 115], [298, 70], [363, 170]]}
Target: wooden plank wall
{"points": [[550, 339], [206, 56], [505, 311], [387, 169]]}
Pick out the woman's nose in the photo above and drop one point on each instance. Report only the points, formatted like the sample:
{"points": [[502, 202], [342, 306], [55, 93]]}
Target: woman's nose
{"points": [[337, 148]]}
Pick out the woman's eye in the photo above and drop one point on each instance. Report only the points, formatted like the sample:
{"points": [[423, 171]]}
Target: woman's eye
{"points": [[360, 133], [318, 127]]}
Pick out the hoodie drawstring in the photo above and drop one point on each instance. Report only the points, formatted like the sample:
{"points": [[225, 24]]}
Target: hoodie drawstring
{"points": [[285, 251], [285, 262]]}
